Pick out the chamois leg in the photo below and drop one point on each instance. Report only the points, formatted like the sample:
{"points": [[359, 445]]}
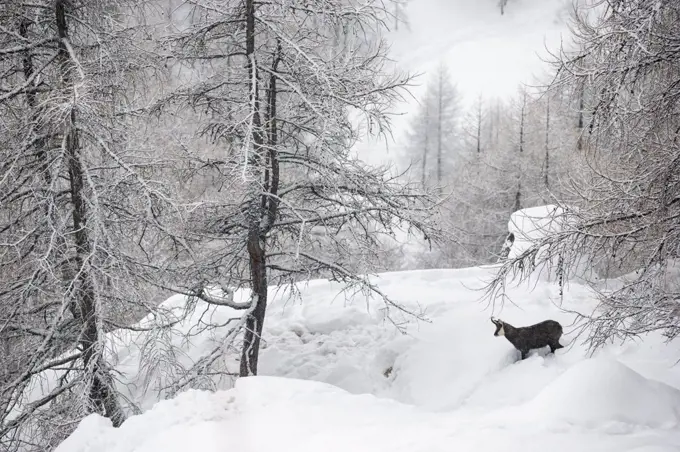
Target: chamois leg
{"points": [[524, 353], [555, 346]]}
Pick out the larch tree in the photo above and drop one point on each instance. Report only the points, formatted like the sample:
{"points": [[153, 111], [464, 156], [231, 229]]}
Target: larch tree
{"points": [[521, 147], [432, 142], [83, 213], [285, 89]]}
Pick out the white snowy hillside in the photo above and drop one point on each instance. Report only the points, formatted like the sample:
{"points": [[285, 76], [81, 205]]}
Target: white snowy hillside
{"points": [[488, 53], [336, 376]]}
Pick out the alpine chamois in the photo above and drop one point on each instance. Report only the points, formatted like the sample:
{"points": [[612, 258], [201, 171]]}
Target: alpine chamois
{"points": [[531, 337]]}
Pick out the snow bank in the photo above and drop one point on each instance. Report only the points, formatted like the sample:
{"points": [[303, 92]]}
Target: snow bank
{"points": [[533, 224], [316, 416], [349, 342], [262, 414], [452, 385], [259, 414], [194, 420], [454, 356], [602, 391]]}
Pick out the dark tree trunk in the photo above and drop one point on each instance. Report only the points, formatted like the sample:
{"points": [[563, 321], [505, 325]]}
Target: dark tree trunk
{"points": [[43, 161], [546, 175], [29, 70], [255, 321], [502, 4], [264, 209], [101, 395], [581, 94]]}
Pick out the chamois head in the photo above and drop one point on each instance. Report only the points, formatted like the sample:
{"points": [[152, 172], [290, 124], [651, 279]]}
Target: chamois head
{"points": [[500, 330]]}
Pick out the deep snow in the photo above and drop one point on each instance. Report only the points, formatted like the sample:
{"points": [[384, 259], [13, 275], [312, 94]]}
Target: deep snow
{"points": [[337, 375], [453, 385]]}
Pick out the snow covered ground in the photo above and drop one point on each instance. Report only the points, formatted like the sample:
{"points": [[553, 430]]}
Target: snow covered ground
{"points": [[335, 375]]}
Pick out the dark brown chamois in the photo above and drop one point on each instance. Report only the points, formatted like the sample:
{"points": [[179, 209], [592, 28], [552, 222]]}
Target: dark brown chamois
{"points": [[546, 333]]}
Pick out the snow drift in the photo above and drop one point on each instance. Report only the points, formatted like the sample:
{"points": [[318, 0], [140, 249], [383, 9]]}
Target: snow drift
{"points": [[602, 390], [265, 413], [451, 384]]}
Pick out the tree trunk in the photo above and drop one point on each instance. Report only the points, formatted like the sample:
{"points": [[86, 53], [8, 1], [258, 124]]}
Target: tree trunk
{"points": [[101, 396], [263, 207], [29, 69], [502, 4], [427, 141], [581, 94], [439, 130], [479, 127], [255, 321], [518, 195], [546, 177], [41, 154]]}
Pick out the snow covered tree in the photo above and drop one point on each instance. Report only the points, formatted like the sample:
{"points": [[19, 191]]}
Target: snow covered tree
{"points": [[487, 182], [434, 135], [627, 195], [475, 123], [400, 17], [84, 211], [507, 152], [289, 88]]}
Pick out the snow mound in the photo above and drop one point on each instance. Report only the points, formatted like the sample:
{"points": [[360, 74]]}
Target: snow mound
{"points": [[258, 414], [194, 420], [92, 432], [600, 391], [533, 224]]}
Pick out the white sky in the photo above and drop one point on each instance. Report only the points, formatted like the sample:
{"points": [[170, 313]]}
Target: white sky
{"points": [[485, 52]]}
